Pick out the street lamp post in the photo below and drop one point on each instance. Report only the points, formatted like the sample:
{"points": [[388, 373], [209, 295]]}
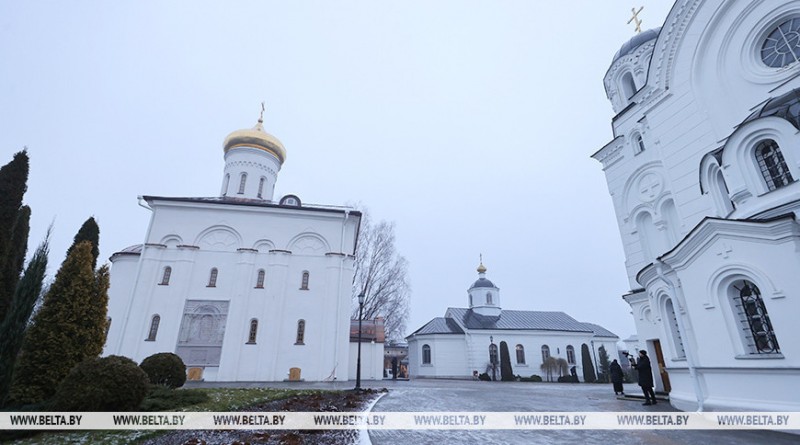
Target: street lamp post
{"points": [[358, 361]]}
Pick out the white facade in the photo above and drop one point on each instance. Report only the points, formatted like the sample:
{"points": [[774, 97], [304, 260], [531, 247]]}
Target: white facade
{"points": [[460, 343], [241, 287], [703, 173]]}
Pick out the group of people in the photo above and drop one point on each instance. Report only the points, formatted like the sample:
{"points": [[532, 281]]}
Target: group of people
{"points": [[645, 372]]}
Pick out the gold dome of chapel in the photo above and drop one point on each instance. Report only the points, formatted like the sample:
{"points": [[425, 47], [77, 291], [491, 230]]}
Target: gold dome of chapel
{"points": [[257, 138]]}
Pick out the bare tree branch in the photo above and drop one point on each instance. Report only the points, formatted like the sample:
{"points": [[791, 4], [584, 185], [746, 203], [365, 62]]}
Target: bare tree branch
{"points": [[382, 275]]}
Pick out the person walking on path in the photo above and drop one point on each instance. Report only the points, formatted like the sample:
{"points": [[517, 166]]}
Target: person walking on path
{"points": [[616, 377], [645, 377]]}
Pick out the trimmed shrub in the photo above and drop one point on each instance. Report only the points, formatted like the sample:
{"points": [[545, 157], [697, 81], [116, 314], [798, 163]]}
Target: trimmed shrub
{"points": [[110, 383], [161, 398], [165, 368], [532, 378]]}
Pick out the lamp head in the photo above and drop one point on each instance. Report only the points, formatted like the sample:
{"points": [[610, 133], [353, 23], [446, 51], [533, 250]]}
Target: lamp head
{"points": [[361, 298]]}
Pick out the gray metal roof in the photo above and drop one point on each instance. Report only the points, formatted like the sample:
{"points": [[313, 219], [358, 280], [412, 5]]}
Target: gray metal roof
{"points": [[600, 331], [522, 320], [482, 282], [635, 42], [440, 325]]}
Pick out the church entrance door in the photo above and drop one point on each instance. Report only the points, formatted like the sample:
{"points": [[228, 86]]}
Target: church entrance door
{"points": [[661, 366]]}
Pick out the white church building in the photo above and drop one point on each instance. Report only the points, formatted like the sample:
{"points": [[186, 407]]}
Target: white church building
{"points": [[703, 173], [241, 287], [466, 340]]}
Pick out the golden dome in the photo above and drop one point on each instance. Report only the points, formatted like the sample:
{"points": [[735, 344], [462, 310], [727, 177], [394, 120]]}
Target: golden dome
{"points": [[481, 268], [256, 137]]}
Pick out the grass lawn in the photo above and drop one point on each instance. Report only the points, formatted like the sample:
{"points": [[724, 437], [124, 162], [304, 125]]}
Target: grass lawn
{"points": [[195, 400]]}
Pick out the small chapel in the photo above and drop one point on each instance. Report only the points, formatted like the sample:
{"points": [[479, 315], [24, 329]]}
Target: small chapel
{"points": [[465, 342], [242, 286]]}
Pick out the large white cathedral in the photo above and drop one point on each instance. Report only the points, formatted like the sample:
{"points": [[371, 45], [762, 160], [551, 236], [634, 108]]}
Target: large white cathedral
{"points": [[241, 287], [703, 172], [465, 340]]}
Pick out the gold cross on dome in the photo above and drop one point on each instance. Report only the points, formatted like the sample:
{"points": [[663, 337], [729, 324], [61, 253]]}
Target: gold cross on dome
{"points": [[635, 19], [261, 116]]}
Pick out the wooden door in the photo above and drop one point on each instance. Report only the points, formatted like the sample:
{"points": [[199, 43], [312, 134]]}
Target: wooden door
{"points": [[662, 366]]}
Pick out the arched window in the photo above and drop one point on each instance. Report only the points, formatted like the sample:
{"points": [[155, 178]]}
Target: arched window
{"points": [[773, 167], [628, 85], [260, 279], [570, 355], [748, 306], [470, 300], [151, 336], [261, 186], [251, 337], [639, 143], [426, 355], [304, 281], [212, 278], [242, 182], [489, 298], [301, 332], [670, 216], [493, 354], [545, 353], [165, 276], [675, 331], [225, 184], [520, 355]]}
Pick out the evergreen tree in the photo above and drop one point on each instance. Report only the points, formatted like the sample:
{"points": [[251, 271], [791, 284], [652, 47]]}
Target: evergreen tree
{"points": [[13, 183], [602, 357], [69, 328], [15, 255], [13, 327], [588, 367], [89, 231], [506, 372]]}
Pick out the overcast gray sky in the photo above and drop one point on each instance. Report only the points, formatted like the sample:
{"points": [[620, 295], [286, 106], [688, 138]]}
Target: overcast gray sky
{"points": [[468, 123]]}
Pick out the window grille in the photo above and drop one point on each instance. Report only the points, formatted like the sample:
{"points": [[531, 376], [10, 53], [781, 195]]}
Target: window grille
{"points": [[212, 278], [260, 279], [260, 187], [754, 319], [520, 355], [301, 331], [772, 164], [304, 281], [251, 338], [570, 355], [545, 353], [151, 336], [166, 276], [242, 181]]}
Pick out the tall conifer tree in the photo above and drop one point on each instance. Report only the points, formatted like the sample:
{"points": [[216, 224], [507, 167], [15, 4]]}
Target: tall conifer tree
{"points": [[13, 183], [89, 231], [12, 329], [69, 327], [506, 371], [589, 375]]}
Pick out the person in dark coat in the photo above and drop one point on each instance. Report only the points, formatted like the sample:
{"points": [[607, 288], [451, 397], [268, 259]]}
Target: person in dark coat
{"points": [[645, 377], [616, 377]]}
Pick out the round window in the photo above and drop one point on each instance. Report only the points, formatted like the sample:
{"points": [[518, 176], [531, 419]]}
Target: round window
{"points": [[782, 46]]}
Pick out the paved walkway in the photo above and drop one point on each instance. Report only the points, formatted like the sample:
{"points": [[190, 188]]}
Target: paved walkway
{"points": [[467, 395]]}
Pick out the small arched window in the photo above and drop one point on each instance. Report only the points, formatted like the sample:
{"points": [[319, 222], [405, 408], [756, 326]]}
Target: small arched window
{"points": [[489, 298], [520, 355], [251, 336], [151, 336], [674, 329], [545, 353], [260, 279], [426, 355], [470, 300], [570, 355], [772, 164], [304, 281], [639, 141], [628, 85], [225, 184], [748, 306], [242, 182], [165, 276], [261, 186], [301, 332], [212, 278]]}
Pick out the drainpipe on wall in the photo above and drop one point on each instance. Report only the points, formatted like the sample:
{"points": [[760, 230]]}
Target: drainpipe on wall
{"points": [[677, 291], [342, 259]]}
